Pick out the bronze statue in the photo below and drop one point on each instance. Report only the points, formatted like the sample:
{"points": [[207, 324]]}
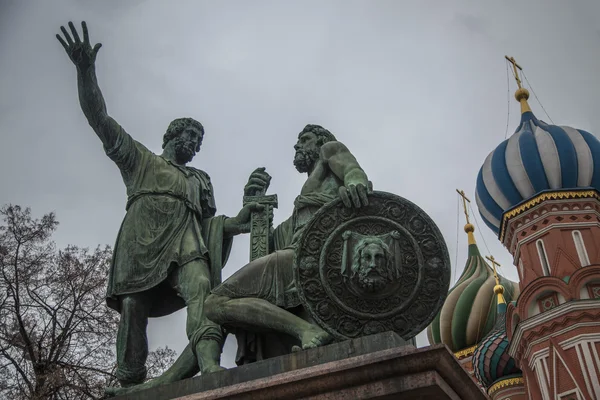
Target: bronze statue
{"points": [[259, 295], [349, 262], [256, 297], [171, 246]]}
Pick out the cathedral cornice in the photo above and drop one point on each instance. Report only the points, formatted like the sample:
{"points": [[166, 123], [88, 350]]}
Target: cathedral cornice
{"points": [[555, 195], [550, 322], [505, 383]]}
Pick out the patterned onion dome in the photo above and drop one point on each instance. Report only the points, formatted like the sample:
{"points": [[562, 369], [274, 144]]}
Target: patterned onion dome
{"points": [[536, 158], [469, 312], [491, 361]]}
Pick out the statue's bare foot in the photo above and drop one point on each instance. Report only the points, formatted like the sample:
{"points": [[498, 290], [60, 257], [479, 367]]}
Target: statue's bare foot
{"points": [[315, 337]]}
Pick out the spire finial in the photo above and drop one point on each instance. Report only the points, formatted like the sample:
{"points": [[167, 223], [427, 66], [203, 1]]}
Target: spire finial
{"points": [[521, 94], [469, 228], [498, 289]]}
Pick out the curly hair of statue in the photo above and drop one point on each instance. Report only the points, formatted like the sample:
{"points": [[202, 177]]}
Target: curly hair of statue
{"points": [[322, 134], [177, 126]]}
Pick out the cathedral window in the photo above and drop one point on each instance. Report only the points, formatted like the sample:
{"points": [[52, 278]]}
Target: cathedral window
{"points": [[543, 256], [580, 247]]}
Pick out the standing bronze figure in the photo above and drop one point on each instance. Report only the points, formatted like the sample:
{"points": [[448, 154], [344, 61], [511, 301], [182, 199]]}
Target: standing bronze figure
{"points": [[171, 246]]}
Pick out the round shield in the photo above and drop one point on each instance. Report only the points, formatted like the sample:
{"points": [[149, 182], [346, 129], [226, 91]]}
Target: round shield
{"points": [[383, 267]]}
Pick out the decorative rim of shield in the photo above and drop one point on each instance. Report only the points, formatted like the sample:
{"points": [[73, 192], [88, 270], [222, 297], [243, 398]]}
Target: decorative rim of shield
{"points": [[337, 288]]}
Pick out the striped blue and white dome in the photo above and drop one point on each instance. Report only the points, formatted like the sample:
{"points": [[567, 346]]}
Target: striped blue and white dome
{"points": [[537, 157]]}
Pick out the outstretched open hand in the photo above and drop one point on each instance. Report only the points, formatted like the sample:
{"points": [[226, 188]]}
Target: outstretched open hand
{"points": [[80, 52]]}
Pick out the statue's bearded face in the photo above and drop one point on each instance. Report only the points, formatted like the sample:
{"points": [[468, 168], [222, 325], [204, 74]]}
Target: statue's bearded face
{"points": [[187, 143], [307, 152], [373, 271]]}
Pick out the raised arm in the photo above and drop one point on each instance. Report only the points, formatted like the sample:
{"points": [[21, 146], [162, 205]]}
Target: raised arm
{"points": [[344, 165], [92, 103]]}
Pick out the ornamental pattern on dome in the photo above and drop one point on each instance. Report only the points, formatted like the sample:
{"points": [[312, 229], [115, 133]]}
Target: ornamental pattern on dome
{"points": [[491, 361], [537, 157], [469, 312]]}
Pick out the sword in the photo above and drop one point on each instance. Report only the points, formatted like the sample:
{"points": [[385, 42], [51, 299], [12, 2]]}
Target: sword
{"points": [[249, 343], [260, 224]]}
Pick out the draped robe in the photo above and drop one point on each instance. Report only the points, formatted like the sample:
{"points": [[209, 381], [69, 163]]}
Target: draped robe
{"points": [[271, 278], [170, 221]]}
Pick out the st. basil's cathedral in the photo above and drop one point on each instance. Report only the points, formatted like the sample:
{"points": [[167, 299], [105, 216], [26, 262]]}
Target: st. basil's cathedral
{"points": [[539, 338]]}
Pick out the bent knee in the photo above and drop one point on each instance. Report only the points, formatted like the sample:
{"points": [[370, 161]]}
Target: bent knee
{"points": [[194, 290], [203, 284], [199, 285], [213, 307]]}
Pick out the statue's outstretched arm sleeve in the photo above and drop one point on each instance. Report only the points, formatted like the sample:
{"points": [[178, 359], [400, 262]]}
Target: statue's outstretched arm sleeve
{"points": [[94, 108], [343, 164], [119, 145]]}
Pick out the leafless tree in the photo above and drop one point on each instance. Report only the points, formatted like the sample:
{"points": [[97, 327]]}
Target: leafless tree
{"points": [[57, 336]]}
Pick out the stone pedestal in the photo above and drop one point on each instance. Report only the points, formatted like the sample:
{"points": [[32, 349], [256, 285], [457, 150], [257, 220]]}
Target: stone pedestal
{"points": [[381, 366]]}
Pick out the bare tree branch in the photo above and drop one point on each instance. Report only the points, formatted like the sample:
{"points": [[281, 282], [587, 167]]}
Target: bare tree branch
{"points": [[57, 338], [18, 368]]}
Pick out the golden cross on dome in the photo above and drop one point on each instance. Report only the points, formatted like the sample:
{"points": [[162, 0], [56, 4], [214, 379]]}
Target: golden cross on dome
{"points": [[465, 200], [469, 228], [521, 94], [498, 289], [515, 66], [494, 263]]}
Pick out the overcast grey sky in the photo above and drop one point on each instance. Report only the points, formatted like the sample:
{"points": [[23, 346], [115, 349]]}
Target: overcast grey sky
{"points": [[416, 90]]}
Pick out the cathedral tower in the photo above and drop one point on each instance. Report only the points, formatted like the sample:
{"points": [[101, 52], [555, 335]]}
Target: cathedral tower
{"points": [[539, 192], [469, 312]]}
